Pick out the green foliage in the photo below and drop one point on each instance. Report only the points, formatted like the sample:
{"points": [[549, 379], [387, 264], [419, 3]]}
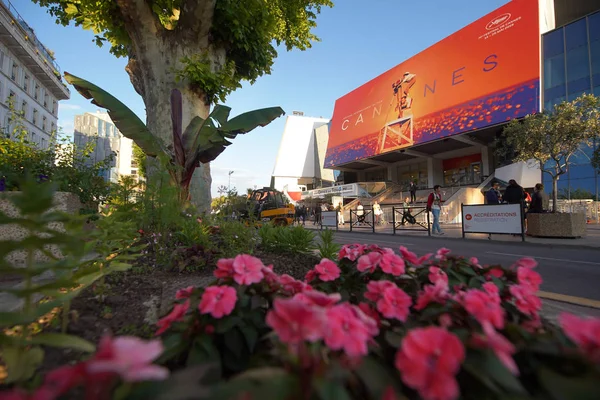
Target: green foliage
{"points": [[235, 238], [576, 194], [140, 159], [247, 31], [286, 239], [202, 141], [59, 264], [552, 138], [326, 246]]}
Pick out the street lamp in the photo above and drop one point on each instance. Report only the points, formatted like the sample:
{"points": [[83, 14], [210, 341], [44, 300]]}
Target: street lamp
{"points": [[229, 185]]}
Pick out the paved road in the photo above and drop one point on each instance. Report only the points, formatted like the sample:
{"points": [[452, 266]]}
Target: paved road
{"points": [[565, 271]]}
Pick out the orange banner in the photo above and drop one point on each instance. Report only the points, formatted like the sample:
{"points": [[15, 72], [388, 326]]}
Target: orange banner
{"points": [[484, 74]]}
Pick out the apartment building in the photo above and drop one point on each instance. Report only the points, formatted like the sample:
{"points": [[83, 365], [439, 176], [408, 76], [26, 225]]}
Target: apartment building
{"points": [[30, 80], [99, 129]]}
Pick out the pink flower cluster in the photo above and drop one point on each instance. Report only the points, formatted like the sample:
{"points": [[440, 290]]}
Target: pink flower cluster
{"points": [[391, 301], [584, 332], [428, 360], [326, 271], [244, 269], [312, 316], [127, 357]]}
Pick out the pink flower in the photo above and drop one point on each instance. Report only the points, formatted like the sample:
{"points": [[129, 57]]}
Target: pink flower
{"points": [[428, 359], [224, 268], [320, 299], [395, 303], [445, 320], [526, 262], [412, 257], [369, 262], [475, 262], [494, 272], [291, 285], [526, 302], [247, 269], [327, 270], [346, 331], [442, 253], [392, 264], [491, 289], [375, 289], [532, 325], [437, 293], [295, 321], [484, 308], [351, 251], [184, 293], [370, 312], [371, 323], [271, 278], [218, 301], [499, 345], [530, 278], [584, 332], [175, 315], [311, 276], [436, 274], [130, 357]]}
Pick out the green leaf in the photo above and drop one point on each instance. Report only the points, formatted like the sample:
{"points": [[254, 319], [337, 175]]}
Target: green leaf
{"points": [[126, 120], [234, 341], [560, 387], [64, 341], [491, 367], [251, 336], [220, 113], [250, 120], [227, 324], [375, 377], [331, 390], [21, 364], [203, 351], [71, 9]]}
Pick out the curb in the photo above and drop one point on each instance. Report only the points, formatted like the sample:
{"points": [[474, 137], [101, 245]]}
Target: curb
{"points": [[563, 298], [493, 242]]}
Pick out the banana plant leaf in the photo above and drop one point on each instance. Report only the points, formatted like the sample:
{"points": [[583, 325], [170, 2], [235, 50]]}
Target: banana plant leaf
{"points": [[126, 121]]}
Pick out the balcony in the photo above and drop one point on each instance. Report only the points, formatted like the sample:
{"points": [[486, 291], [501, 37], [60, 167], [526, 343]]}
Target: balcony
{"points": [[31, 53]]}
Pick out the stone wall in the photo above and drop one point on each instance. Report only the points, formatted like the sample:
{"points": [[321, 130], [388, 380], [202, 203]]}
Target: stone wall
{"points": [[558, 225], [67, 202]]}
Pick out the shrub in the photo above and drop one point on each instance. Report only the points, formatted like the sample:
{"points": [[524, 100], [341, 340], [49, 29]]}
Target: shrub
{"points": [[327, 247], [373, 325], [286, 239]]}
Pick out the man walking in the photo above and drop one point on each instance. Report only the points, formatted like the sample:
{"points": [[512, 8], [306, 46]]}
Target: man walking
{"points": [[413, 192]]}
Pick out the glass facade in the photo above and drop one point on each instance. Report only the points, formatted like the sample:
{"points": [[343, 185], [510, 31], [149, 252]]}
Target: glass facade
{"points": [[571, 67]]}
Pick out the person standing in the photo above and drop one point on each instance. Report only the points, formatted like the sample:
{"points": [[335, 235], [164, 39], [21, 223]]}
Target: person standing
{"points": [[377, 212], [539, 200], [406, 216], [493, 195], [360, 213], [434, 205], [413, 191], [515, 194], [340, 212]]}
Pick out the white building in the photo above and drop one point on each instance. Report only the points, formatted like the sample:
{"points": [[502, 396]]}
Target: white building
{"points": [[299, 164], [29, 77], [98, 128]]}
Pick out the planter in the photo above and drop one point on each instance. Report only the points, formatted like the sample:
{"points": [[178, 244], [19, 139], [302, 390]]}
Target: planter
{"points": [[556, 225], [67, 202]]}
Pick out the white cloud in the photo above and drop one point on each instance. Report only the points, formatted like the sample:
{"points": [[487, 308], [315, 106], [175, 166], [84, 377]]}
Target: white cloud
{"points": [[68, 107]]}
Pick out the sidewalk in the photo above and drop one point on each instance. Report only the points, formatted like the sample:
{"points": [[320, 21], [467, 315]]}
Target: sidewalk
{"points": [[454, 231]]}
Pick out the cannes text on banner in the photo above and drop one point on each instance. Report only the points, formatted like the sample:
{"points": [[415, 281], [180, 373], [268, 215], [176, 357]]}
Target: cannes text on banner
{"points": [[484, 74]]}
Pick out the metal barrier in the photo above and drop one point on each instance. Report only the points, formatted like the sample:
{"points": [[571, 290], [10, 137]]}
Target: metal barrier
{"points": [[364, 218], [421, 219]]}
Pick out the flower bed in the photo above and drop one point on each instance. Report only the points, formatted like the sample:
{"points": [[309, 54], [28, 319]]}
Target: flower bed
{"points": [[371, 325]]}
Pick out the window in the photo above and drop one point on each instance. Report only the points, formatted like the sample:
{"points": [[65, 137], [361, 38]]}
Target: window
{"points": [[35, 116], [594, 26], [54, 107], [33, 137], [26, 83], [1, 60], [14, 72], [43, 142], [24, 109], [554, 71], [11, 98], [578, 64], [554, 43], [36, 90], [52, 127], [46, 100], [576, 34], [44, 123]]}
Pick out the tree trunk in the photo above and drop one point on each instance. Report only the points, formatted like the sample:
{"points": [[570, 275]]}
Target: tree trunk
{"points": [[554, 192], [154, 76]]}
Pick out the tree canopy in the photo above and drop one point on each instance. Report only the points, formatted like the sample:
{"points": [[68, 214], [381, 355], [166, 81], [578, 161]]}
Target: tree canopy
{"points": [[551, 138], [243, 34]]}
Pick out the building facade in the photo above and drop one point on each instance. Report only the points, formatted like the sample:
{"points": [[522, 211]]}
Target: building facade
{"points": [[571, 66], [30, 80], [435, 118], [98, 128], [301, 156]]}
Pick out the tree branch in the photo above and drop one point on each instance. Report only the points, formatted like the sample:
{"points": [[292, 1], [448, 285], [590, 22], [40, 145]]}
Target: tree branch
{"points": [[195, 19], [140, 21]]}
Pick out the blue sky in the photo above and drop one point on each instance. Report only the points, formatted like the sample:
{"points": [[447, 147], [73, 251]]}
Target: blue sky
{"points": [[356, 38]]}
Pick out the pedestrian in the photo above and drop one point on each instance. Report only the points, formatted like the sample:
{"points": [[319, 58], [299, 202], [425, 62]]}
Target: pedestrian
{"points": [[515, 194], [493, 195], [413, 191], [539, 200], [406, 215], [377, 212], [360, 213], [434, 205], [340, 211]]}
